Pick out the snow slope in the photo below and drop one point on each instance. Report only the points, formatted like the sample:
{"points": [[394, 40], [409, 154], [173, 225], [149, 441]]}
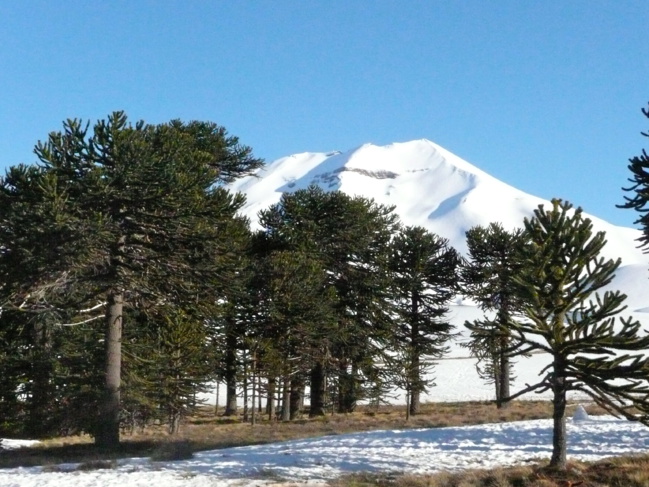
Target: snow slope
{"points": [[428, 185]]}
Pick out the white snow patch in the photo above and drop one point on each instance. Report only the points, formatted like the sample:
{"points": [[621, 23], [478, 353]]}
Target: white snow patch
{"points": [[9, 444], [318, 459]]}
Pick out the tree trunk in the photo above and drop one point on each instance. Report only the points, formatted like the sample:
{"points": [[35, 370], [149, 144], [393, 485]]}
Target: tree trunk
{"points": [[346, 389], [559, 443], [408, 402], [415, 366], [245, 388], [503, 379], [39, 420], [230, 373], [270, 402], [253, 414], [216, 402], [415, 391], [502, 367], [174, 423], [286, 399], [109, 409], [317, 407], [496, 376], [297, 386]]}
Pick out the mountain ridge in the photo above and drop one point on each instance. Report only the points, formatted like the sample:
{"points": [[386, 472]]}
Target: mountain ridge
{"points": [[431, 187]]}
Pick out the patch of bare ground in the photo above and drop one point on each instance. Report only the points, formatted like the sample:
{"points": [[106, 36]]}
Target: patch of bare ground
{"points": [[207, 430]]}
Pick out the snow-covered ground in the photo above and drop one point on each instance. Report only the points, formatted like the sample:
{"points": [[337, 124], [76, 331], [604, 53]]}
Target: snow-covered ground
{"points": [[316, 460], [9, 444]]}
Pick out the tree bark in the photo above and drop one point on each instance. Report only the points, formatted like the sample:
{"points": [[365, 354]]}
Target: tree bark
{"points": [[496, 376], [317, 407], [559, 442], [109, 409], [230, 372], [286, 399], [297, 386], [270, 401], [216, 402], [415, 391], [503, 379], [346, 393], [408, 402], [415, 365], [174, 423], [245, 388], [39, 420], [502, 367], [253, 413]]}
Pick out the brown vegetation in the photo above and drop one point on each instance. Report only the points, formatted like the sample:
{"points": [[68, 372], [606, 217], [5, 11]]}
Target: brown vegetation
{"points": [[631, 471]]}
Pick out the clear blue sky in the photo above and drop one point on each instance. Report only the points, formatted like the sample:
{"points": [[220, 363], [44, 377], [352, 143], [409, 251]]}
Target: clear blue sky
{"points": [[544, 95]]}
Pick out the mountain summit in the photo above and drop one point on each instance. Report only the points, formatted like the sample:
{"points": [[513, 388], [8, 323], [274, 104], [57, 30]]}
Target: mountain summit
{"points": [[428, 185]]}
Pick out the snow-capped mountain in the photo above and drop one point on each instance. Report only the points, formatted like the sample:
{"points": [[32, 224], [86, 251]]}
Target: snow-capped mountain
{"points": [[431, 187]]}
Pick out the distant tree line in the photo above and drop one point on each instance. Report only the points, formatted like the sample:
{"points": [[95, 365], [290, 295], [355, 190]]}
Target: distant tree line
{"points": [[130, 285]]}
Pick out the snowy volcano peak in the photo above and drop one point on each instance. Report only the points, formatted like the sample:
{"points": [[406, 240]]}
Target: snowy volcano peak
{"points": [[369, 170], [428, 185], [394, 161], [416, 155]]}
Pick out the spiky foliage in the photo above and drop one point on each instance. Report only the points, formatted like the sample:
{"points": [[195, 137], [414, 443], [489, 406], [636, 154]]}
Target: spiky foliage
{"points": [[294, 313], [488, 277], [639, 167], [349, 236], [590, 351], [131, 215], [424, 278], [182, 364], [49, 375]]}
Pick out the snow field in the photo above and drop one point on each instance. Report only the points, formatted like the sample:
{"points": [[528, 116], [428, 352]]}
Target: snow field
{"points": [[316, 460]]}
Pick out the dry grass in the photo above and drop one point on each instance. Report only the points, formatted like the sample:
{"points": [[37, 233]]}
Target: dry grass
{"points": [[207, 431], [630, 471]]}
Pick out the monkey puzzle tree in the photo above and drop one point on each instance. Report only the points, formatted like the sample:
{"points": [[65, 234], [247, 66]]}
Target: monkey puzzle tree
{"points": [[294, 317], [182, 364], [349, 237], [120, 215], [423, 270], [488, 277], [566, 318], [229, 319], [639, 167]]}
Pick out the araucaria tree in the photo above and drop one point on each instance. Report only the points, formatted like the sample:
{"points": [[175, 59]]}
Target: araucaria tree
{"points": [[293, 320], [120, 215], [576, 326], [423, 269], [489, 278], [348, 238], [639, 167]]}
